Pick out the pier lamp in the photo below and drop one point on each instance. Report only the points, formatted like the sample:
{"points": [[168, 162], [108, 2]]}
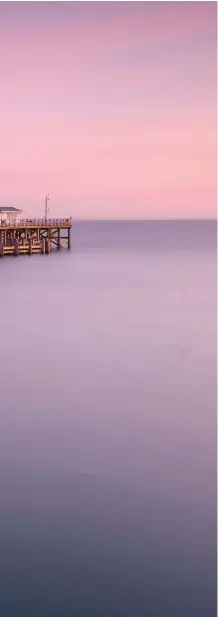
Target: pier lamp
{"points": [[46, 205]]}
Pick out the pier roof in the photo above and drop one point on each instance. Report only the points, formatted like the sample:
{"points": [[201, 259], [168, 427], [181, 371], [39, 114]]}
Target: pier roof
{"points": [[9, 209]]}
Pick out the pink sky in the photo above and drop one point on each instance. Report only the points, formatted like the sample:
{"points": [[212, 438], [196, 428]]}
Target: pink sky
{"points": [[111, 107]]}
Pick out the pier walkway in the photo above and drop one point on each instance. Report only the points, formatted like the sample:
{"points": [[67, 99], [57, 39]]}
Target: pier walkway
{"points": [[34, 235]]}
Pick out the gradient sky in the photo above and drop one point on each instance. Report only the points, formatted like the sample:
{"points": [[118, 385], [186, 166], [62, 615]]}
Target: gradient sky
{"points": [[109, 106]]}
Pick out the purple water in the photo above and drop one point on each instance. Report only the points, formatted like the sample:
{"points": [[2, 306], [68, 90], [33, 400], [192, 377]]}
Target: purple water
{"points": [[108, 424]]}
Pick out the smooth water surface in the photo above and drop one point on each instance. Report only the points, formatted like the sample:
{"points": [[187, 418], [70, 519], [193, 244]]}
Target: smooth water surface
{"points": [[108, 425]]}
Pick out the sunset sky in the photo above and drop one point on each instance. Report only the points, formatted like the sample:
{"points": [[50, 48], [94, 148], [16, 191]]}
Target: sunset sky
{"points": [[110, 107]]}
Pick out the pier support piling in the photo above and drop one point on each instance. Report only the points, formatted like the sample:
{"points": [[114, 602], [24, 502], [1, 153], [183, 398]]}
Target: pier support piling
{"points": [[16, 247]]}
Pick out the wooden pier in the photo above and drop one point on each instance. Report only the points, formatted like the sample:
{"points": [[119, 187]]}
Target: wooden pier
{"points": [[34, 236]]}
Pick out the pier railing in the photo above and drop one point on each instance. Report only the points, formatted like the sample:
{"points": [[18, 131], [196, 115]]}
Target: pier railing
{"points": [[66, 222]]}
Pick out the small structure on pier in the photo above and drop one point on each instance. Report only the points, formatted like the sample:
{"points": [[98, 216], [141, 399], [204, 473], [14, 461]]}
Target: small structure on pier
{"points": [[10, 213], [33, 235]]}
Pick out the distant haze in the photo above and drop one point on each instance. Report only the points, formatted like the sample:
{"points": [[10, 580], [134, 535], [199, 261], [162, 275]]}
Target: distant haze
{"points": [[109, 106]]}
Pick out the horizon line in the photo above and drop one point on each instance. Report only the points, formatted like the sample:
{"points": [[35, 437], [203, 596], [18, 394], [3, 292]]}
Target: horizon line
{"points": [[145, 220]]}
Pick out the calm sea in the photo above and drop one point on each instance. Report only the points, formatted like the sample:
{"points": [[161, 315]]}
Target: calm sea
{"points": [[108, 424]]}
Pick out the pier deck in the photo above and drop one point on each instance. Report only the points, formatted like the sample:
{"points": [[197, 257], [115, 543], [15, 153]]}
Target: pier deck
{"points": [[30, 236]]}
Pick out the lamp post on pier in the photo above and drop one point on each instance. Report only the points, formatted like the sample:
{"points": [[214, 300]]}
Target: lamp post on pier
{"points": [[46, 205]]}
